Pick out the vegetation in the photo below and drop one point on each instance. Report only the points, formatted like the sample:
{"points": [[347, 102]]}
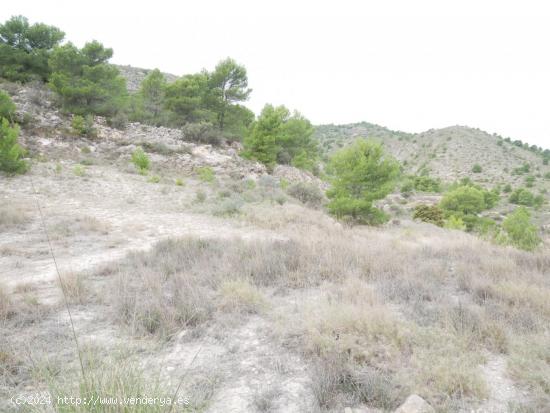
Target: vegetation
{"points": [[360, 174], [477, 168], [83, 126], [519, 231], [25, 49], [309, 194], [141, 160], [429, 213], [279, 137], [11, 153], [522, 196], [84, 80], [7, 107], [466, 202]]}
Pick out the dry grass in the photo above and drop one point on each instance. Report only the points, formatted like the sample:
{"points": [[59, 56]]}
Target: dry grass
{"points": [[241, 296], [74, 287], [12, 216], [78, 226]]}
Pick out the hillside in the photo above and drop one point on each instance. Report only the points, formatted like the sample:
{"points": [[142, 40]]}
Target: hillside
{"points": [[210, 273]]}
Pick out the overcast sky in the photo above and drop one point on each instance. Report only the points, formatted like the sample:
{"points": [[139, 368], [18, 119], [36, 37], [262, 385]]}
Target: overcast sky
{"points": [[408, 65]]}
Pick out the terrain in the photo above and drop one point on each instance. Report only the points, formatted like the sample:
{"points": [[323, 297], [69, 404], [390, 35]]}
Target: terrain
{"points": [[224, 288]]}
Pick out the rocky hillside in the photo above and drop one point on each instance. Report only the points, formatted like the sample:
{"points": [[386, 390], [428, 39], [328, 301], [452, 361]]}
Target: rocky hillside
{"points": [[448, 153], [134, 76]]}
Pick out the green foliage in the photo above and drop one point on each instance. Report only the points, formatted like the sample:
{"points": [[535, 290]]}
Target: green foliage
{"points": [[84, 80], [522, 196], [360, 174], [148, 105], [309, 194], [141, 160], [187, 98], [79, 170], [83, 126], [228, 85], [426, 184], [10, 151], [154, 179], [454, 222], [202, 132], [206, 174], [279, 137], [524, 169], [547, 175], [507, 188], [529, 181], [545, 161], [179, 182], [477, 168], [429, 213], [464, 200], [7, 107], [519, 231], [25, 48]]}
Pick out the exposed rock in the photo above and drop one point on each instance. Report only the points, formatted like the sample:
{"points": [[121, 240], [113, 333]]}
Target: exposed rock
{"points": [[415, 404]]}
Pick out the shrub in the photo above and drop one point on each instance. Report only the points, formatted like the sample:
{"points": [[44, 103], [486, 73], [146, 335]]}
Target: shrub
{"points": [[429, 213], [463, 200], [10, 151], [426, 184], [455, 223], [83, 126], [118, 121], [522, 196], [79, 170], [360, 174], [179, 182], [547, 175], [202, 132], [529, 181], [309, 194], [7, 107], [154, 179], [525, 168], [141, 160], [519, 230], [507, 188], [476, 168], [206, 174]]}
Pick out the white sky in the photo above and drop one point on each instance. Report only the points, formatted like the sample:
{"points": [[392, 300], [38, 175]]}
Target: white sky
{"points": [[408, 65]]}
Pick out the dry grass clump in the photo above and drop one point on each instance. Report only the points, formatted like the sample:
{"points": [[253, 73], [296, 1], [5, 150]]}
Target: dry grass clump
{"points": [[80, 225], [5, 304], [75, 287], [529, 364], [12, 216], [241, 296]]}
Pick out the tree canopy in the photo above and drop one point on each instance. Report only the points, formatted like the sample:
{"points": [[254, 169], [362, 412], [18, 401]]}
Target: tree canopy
{"points": [[85, 81], [25, 48], [278, 136], [360, 174]]}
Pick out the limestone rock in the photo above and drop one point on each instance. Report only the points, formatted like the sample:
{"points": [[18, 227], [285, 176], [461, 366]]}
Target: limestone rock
{"points": [[415, 404]]}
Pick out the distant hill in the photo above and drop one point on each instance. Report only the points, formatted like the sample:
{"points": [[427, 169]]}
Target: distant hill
{"points": [[134, 76], [448, 153]]}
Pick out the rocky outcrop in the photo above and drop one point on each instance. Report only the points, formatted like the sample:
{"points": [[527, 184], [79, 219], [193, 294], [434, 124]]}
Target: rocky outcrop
{"points": [[415, 404]]}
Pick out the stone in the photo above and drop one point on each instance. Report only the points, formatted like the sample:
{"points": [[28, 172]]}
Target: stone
{"points": [[415, 404]]}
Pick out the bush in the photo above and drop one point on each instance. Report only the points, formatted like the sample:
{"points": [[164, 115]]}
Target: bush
{"points": [[360, 174], [141, 160], [118, 121], [464, 200], [529, 181], [507, 188], [83, 126], [206, 174], [7, 107], [522, 196], [309, 194], [427, 184], [476, 168], [429, 213], [10, 151], [202, 132], [519, 231], [455, 223]]}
